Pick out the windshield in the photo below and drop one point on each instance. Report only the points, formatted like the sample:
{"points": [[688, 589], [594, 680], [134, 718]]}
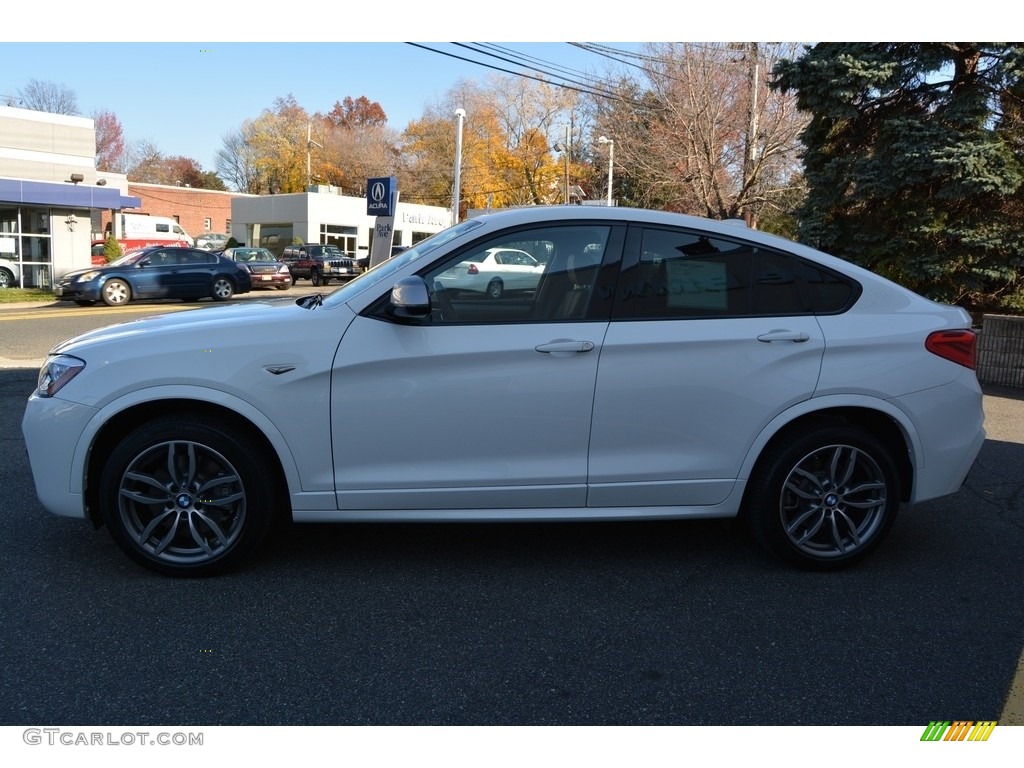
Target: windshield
{"points": [[129, 258], [386, 269], [252, 254]]}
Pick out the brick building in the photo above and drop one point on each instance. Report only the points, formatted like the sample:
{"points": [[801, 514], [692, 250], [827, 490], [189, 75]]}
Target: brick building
{"points": [[196, 210]]}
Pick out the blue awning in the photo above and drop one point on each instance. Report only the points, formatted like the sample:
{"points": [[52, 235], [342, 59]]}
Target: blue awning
{"points": [[20, 192]]}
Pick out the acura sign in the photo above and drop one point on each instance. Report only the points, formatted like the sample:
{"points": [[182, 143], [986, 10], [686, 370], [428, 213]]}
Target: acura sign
{"points": [[381, 202], [380, 196]]}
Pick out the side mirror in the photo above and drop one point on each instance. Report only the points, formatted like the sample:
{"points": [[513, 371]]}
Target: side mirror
{"points": [[410, 299], [143, 263]]}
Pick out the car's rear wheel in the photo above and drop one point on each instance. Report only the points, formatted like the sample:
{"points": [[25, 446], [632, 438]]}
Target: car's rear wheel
{"points": [[495, 288], [116, 292], [223, 289], [824, 499], [6, 278], [186, 497]]}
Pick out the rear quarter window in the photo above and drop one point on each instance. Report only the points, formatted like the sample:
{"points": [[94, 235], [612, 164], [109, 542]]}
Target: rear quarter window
{"points": [[682, 274]]}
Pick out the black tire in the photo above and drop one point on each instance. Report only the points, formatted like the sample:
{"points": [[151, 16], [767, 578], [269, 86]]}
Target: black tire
{"points": [[223, 289], [495, 288], [211, 515], [825, 499], [6, 278], [116, 293], [314, 278]]}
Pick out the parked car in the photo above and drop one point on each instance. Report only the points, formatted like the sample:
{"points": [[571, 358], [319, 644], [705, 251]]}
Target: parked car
{"points": [[494, 272], [665, 367], [264, 267], [212, 241], [10, 272], [160, 272], [319, 263]]}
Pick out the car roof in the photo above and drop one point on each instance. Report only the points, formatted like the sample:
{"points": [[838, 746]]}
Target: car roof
{"points": [[593, 214]]}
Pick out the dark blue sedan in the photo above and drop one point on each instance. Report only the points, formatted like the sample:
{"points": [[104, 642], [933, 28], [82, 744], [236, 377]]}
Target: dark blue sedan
{"points": [[158, 272]]}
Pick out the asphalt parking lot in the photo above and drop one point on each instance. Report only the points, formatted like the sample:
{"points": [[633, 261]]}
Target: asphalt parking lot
{"points": [[609, 624]]}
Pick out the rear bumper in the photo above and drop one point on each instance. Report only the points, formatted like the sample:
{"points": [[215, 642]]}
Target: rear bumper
{"points": [[950, 422]]}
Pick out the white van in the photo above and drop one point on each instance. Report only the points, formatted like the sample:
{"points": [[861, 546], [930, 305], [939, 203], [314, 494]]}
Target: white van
{"points": [[141, 231]]}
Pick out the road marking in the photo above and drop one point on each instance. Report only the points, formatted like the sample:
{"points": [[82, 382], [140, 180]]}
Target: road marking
{"points": [[50, 312]]}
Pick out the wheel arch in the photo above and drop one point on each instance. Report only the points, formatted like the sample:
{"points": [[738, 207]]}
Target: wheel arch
{"points": [[887, 424], [120, 423]]}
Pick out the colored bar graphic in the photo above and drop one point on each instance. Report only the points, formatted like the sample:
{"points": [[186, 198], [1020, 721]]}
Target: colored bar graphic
{"points": [[935, 730], [958, 730]]}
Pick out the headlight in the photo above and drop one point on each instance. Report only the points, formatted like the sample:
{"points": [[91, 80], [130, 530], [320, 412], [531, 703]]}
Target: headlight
{"points": [[283, 270], [56, 372], [86, 276]]}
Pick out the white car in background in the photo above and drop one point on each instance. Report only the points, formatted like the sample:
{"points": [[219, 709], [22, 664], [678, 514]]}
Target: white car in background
{"points": [[494, 272], [10, 272], [212, 241], [662, 367]]}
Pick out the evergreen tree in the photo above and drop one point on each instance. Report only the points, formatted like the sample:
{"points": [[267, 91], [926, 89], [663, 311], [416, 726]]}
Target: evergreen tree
{"points": [[914, 163]]}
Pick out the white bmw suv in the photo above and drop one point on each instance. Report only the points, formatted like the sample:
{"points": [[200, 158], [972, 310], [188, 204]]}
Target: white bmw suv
{"points": [[663, 367]]}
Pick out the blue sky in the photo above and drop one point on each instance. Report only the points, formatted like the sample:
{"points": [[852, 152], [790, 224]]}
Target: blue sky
{"points": [[186, 96], [185, 92]]}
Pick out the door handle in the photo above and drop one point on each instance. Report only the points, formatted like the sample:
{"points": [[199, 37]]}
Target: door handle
{"points": [[565, 346], [781, 334]]}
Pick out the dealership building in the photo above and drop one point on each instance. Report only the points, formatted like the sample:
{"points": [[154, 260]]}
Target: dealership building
{"points": [[54, 204], [324, 215], [50, 193]]}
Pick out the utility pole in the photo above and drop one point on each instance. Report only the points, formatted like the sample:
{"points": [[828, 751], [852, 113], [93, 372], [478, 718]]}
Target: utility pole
{"points": [[750, 156]]}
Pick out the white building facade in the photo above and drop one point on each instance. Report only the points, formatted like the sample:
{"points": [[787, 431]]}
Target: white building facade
{"points": [[322, 215], [50, 192]]}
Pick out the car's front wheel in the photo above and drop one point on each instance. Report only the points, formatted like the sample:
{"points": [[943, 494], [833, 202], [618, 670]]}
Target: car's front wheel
{"points": [[824, 499], [186, 496], [223, 289], [314, 278], [116, 292]]}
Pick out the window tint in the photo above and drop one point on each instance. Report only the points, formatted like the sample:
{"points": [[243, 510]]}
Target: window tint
{"points": [[540, 275], [685, 274]]}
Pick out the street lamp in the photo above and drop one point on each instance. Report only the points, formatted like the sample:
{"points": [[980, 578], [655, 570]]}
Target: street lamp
{"points": [[309, 148], [461, 114], [611, 163], [564, 149]]}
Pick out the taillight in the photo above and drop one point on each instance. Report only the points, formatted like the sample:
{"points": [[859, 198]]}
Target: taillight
{"points": [[957, 346], [472, 270]]}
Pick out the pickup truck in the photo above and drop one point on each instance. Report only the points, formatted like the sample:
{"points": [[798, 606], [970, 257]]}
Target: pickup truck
{"points": [[319, 263]]}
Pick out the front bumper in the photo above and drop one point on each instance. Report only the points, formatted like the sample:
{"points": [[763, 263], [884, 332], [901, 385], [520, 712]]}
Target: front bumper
{"points": [[52, 428], [76, 292]]}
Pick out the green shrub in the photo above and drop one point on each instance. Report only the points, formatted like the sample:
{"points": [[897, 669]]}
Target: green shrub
{"points": [[111, 248]]}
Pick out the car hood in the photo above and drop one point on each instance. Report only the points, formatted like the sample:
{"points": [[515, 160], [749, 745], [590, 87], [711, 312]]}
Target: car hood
{"points": [[266, 319]]}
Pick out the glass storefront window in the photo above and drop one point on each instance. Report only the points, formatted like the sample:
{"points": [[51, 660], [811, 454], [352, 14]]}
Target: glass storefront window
{"points": [[8, 219], [275, 237], [25, 242], [35, 221]]}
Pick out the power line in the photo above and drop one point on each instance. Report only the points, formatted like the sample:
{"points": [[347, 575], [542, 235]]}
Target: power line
{"points": [[579, 87]]}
